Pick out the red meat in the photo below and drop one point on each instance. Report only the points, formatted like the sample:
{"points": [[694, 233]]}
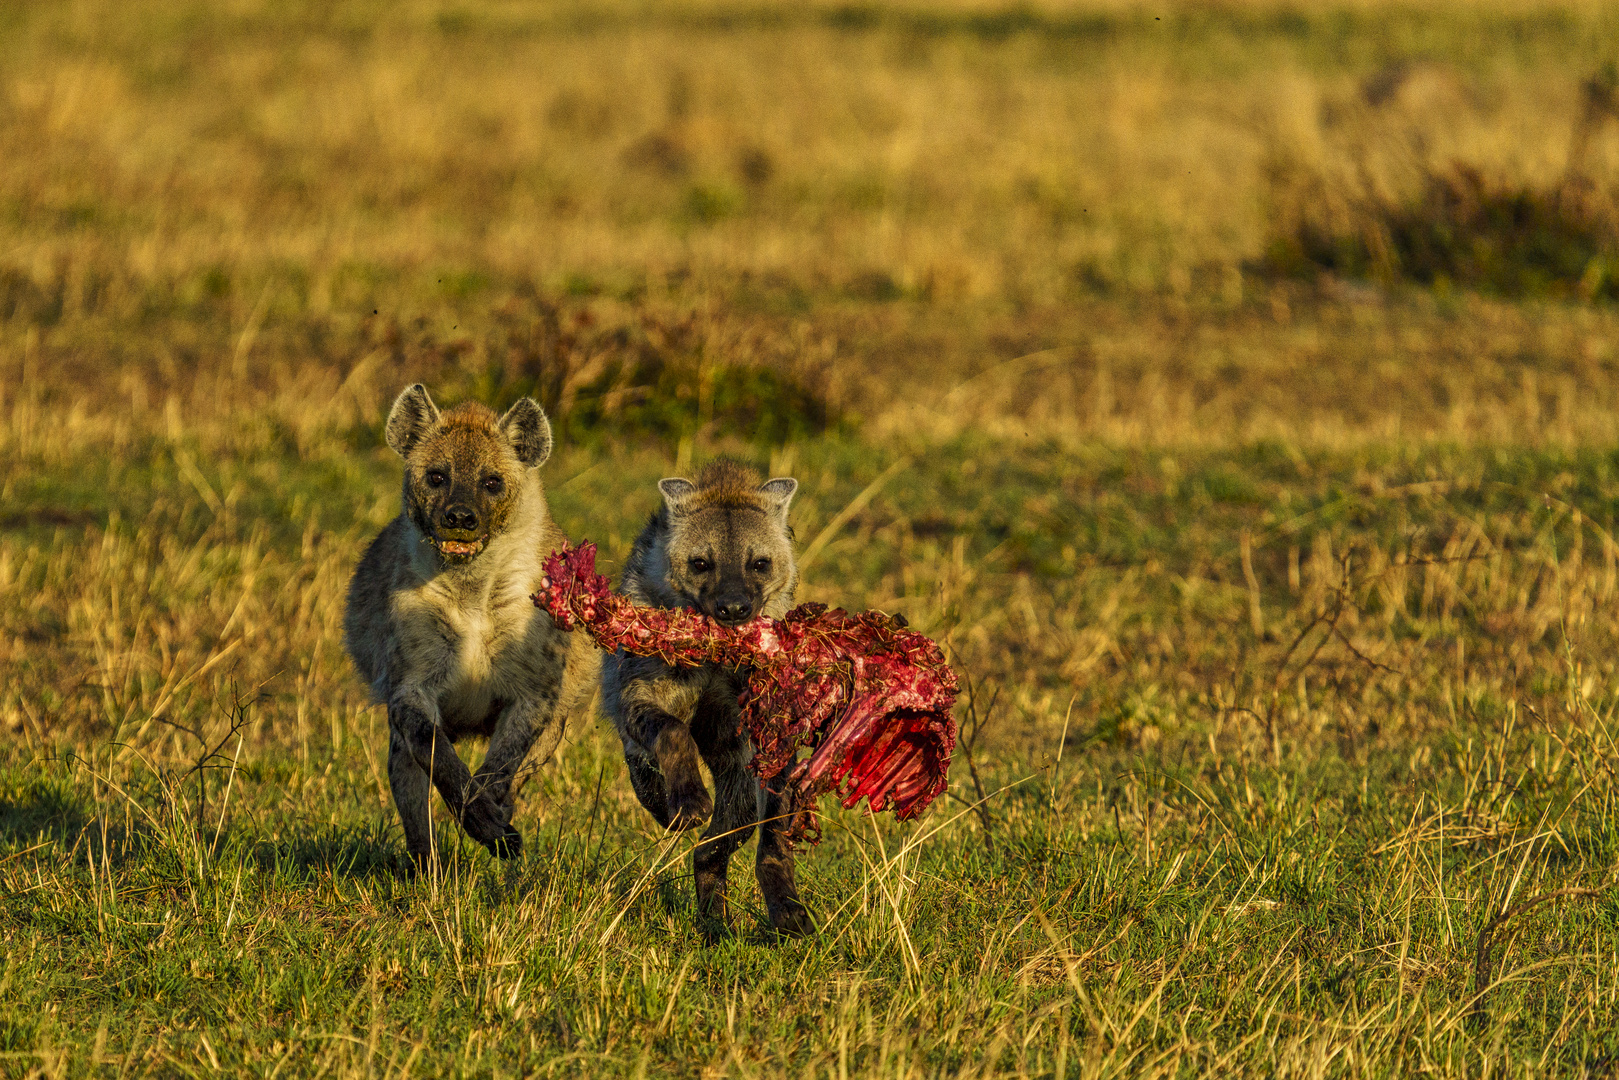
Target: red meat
{"points": [[870, 698]]}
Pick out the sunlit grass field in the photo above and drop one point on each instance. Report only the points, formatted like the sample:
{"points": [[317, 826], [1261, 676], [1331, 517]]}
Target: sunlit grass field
{"points": [[1272, 535]]}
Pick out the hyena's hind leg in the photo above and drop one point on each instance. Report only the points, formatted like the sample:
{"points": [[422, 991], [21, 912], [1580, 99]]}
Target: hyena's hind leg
{"points": [[774, 866]]}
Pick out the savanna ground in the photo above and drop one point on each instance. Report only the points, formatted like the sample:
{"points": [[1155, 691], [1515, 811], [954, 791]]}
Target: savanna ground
{"points": [[1232, 387]]}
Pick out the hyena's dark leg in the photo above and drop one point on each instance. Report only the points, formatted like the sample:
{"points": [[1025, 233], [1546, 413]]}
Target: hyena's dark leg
{"points": [[411, 790], [517, 729], [775, 864], [671, 746], [648, 783], [411, 719], [735, 812]]}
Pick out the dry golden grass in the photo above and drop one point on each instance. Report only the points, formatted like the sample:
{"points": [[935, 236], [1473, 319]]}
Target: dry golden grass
{"points": [[954, 160], [917, 200]]}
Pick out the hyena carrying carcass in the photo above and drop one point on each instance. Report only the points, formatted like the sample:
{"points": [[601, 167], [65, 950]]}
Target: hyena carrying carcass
{"points": [[439, 621], [721, 546]]}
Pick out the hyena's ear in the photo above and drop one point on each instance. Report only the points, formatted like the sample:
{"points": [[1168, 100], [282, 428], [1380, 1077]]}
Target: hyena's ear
{"points": [[778, 495], [411, 418], [675, 493], [528, 429]]}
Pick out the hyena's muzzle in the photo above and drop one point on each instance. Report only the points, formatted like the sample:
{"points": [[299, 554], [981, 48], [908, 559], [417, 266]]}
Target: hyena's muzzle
{"points": [[733, 599], [461, 502]]}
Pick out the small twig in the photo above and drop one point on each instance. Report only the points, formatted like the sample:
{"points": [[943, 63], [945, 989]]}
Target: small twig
{"points": [[595, 804], [1481, 963], [207, 759], [1332, 625], [1362, 657], [969, 743], [1281, 668], [1340, 601], [1339, 596]]}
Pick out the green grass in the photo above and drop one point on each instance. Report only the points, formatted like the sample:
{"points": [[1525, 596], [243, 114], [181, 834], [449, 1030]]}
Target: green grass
{"points": [[1166, 913], [1202, 851]]}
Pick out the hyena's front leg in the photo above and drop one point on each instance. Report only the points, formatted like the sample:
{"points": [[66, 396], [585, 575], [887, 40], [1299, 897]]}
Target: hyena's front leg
{"points": [[734, 816], [411, 790], [521, 726], [647, 782], [775, 863], [676, 753], [412, 718], [655, 716]]}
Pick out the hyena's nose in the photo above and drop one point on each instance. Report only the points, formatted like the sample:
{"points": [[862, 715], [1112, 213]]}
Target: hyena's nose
{"points": [[460, 517], [733, 610]]}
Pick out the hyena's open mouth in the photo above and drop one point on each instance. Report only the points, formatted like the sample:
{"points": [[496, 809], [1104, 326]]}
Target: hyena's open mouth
{"points": [[457, 549]]}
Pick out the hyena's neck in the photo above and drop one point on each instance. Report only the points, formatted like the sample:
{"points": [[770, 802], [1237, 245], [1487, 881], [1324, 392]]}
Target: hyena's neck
{"points": [[645, 575]]}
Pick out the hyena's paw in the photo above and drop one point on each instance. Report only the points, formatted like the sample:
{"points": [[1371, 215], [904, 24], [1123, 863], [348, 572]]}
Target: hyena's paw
{"points": [[508, 845], [790, 918], [490, 825], [690, 805]]}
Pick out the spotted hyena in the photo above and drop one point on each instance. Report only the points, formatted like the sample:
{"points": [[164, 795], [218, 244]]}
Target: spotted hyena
{"points": [[720, 546], [439, 621]]}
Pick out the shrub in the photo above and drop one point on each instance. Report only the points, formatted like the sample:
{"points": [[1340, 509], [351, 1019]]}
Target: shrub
{"points": [[1390, 206]]}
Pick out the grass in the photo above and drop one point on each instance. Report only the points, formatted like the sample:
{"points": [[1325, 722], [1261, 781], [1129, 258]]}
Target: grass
{"points": [[1286, 600], [1250, 827], [874, 150], [1144, 917]]}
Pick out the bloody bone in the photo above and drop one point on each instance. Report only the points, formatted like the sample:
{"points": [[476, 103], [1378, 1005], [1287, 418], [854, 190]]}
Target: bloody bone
{"points": [[870, 698]]}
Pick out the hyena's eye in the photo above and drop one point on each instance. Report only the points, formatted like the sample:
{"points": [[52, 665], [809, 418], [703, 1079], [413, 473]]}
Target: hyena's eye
{"points": [[698, 564], [494, 485], [761, 566], [435, 478]]}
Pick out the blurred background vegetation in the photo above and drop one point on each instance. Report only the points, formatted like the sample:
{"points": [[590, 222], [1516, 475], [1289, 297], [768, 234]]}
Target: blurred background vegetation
{"points": [[1211, 208]]}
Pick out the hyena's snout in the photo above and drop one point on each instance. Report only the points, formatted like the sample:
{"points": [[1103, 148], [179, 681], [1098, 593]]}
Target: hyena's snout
{"points": [[732, 599], [733, 608], [459, 518], [458, 531]]}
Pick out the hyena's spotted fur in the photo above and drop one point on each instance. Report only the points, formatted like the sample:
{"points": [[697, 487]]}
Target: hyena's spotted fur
{"points": [[721, 546], [439, 621]]}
